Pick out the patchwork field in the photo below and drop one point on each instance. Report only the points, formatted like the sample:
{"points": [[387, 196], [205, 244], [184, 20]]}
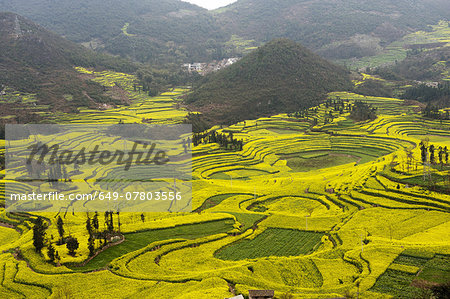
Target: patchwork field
{"points": [[311, 207]]}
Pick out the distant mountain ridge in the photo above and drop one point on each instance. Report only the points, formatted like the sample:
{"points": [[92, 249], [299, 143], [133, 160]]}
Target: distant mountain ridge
{"points": [[173, 31], [281, 76]]}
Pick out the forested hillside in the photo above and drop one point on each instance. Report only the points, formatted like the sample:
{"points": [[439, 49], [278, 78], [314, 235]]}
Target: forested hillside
{"points": [[147, 30], [337, 29]]}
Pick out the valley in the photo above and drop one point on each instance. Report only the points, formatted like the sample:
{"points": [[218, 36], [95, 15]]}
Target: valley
{"points": [[316, 170]]}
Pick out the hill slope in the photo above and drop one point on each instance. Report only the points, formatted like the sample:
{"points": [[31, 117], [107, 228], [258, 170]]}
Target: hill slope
{"points": [[281, 76], [339, 29], [36, 61], [155, 31]]}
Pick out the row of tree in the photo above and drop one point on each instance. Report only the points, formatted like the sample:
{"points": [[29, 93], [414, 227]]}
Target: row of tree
{"points": [[224, 140], [428, 153], [359, 111], [432, 111]]}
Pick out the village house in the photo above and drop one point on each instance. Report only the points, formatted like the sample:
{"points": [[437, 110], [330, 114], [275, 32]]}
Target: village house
{"points": [[206, 68]]}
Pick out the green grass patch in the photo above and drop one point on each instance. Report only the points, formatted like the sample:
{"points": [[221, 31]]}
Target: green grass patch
{"points": [[409, 260], [238, 174], [397, 279], [436, 269], [394, 283], [317, 161], [272, 242]]}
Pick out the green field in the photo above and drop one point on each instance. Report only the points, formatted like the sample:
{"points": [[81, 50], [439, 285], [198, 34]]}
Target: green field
{"points": [[272, 242], [397, 280], [327, 160]]}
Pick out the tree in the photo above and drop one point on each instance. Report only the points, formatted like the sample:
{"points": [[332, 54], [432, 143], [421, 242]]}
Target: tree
{"points": [[38, 234], [432, 158], [95, 221], [60, 225], [109, 221], [423, 151], [91, 245], [362, 111], [441, 156], [72, 245], [446, 154], [409, 158], [89, 226], [57, 257], [143, 217], [51, 252], [118, 220]]}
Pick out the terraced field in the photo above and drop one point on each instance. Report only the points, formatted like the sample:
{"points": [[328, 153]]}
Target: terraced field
{"points": [[316, 210], [397, 50]]}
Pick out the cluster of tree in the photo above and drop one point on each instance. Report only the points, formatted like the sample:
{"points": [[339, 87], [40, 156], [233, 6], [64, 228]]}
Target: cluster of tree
{"points": [[39, 240], [224, 140], [429, 94], [361, 111], [105, 235], [428, 154], [72, 244], [303, 113], [198, 122], [385, 72], [2, 155], [375, 88], [338, 104], [349, 49], [431, 111]]}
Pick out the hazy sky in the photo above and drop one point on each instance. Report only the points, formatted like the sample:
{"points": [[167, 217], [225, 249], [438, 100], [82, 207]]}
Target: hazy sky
{"points": [[210, 4]]}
